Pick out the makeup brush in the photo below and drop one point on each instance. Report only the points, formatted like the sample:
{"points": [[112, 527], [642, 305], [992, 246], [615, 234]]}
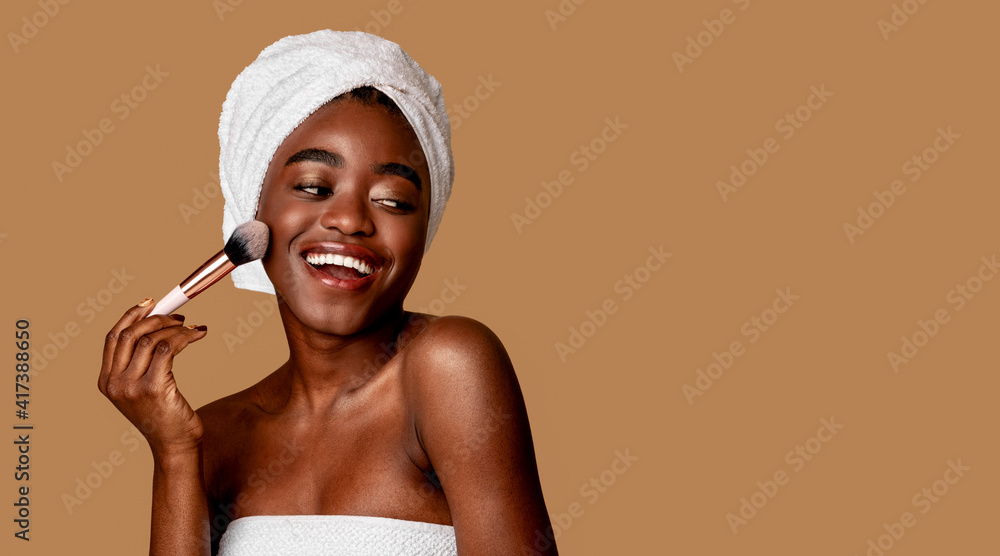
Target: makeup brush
{"points": [[248, 243]]}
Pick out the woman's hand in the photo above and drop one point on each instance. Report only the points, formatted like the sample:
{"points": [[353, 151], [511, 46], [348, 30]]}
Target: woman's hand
{"points": [[136, 376]]}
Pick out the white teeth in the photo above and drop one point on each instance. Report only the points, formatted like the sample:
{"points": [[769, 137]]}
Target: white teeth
{"points": [[339, 260]]}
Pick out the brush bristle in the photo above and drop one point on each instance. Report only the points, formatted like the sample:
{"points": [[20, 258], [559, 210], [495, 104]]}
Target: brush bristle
{"points": [[248, 242]]}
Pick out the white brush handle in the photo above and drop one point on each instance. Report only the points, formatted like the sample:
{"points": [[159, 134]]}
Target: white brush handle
{"points": [[170, 302]]}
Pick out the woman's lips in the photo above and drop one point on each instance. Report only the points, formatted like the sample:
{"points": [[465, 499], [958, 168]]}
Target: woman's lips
{"points": [[331, 261], [339, 283], [344, 249], [341, 266]]}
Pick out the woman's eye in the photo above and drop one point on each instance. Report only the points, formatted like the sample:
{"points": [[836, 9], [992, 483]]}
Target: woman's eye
{"points": [[392, 203], [313, 189]]}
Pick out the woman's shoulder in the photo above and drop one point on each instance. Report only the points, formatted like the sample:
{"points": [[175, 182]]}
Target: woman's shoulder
{"points": [[450, 344], [454, 356]]}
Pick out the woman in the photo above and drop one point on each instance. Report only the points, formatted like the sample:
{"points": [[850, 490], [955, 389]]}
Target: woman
{"points": [[385, 431]]}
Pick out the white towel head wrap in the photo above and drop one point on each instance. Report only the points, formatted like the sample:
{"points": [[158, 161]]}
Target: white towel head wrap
{"points": [[292, 78]]}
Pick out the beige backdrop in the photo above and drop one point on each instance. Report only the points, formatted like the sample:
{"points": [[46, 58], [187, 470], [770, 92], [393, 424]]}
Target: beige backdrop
{"points": [[807, 367]]}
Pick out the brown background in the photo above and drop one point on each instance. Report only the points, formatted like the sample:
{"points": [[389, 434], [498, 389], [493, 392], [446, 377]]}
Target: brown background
{"points": [[654, 185]]}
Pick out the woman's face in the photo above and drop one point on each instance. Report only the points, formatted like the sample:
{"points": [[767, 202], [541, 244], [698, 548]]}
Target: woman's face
{"points": [[346, 197]]}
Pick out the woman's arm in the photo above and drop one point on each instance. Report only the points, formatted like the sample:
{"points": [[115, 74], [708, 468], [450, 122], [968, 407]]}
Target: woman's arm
{"points": [[471, 421], [180, 509], [136, 376]]}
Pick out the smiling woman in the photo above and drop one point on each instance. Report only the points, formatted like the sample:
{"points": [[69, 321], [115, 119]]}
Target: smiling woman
{"points": [[343, 169], [385, 431]]}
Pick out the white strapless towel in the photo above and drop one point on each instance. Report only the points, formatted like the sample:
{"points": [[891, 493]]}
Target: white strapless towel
{"points": [[304, 535]]}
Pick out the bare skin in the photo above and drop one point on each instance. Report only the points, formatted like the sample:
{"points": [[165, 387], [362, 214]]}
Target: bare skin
{"points": [[377, 412]]}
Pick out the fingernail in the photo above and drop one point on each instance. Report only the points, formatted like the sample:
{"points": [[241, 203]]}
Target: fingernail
{"points": [[177, 317], [146, 302], [199, 327]]}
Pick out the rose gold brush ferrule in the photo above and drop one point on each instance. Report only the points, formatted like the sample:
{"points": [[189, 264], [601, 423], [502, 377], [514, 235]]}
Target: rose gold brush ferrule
{"points": [[207, 274]]}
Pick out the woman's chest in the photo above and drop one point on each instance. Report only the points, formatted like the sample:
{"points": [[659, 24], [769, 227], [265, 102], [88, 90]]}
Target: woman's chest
{"points": [[355, 464]]}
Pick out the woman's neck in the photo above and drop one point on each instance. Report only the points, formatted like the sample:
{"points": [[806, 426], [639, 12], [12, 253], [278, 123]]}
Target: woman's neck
{"points": [[323, 369]]}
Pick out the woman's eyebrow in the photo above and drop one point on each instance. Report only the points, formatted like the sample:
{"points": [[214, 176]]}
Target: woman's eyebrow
{"points": [[397, 169], [337, 161], [317, 155]]}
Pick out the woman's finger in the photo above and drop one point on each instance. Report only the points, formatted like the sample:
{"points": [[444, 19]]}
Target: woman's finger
{"points": [[133, 334], [170, 339], [165, 351], [111, 340]]}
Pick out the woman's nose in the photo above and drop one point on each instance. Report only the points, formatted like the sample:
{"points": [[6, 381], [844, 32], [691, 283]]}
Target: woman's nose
{"points": [[349, 213]]}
